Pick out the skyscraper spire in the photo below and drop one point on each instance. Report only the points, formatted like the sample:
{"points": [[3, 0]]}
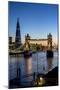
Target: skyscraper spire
{"points": [[18, 34]]}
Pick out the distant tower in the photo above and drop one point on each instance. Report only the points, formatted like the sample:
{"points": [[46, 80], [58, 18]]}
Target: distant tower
{"points": [[18, 35], [27, 37], [10, 40]]}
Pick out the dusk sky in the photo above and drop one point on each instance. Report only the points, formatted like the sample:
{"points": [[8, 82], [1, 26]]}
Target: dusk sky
{"points": [[36, 19]]}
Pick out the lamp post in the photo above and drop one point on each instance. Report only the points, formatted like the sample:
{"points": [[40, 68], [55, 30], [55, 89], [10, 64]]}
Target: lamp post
{"points": [[37, 60]]}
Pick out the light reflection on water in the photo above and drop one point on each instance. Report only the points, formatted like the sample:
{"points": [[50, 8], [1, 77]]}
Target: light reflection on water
{"points": [[29, 65]]}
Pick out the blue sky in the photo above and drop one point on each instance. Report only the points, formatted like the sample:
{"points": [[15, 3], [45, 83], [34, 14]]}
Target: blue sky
{"points": [[36, 19]]}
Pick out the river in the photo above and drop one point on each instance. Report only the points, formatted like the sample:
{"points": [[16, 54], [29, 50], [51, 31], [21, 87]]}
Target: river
{"points": [[37, 63]]}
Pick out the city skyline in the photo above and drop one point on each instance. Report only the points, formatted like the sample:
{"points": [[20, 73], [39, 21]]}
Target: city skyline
{"points": [[36, 19]]}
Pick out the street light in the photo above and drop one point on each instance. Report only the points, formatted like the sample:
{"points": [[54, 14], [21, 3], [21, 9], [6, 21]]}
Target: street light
{"points": [[40, 81]]}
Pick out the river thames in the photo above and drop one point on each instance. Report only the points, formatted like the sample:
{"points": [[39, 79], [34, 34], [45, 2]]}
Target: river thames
{"points": [[37, 63]]}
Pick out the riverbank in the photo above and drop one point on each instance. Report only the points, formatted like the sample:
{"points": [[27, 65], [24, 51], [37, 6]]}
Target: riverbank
{"points": [[19, 53]]}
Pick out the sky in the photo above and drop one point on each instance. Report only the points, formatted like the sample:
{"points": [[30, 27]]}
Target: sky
{"points": [[36, 19]]}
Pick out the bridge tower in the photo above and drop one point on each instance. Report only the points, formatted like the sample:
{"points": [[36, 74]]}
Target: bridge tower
{"points": [[27, 44], [49, 42], [49, 51]]}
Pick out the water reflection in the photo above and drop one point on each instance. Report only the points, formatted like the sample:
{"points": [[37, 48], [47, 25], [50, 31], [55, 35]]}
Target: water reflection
{"points": [[49, 63], [18, 70], [28, 65]]}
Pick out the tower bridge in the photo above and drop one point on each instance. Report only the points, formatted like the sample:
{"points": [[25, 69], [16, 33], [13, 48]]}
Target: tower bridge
{"points": [[46, 43]]}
